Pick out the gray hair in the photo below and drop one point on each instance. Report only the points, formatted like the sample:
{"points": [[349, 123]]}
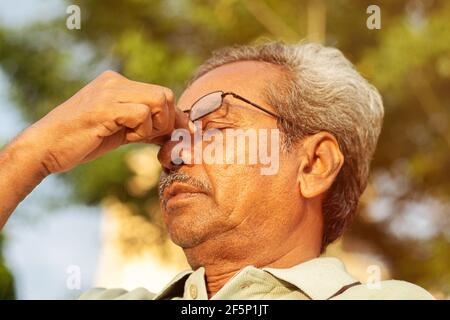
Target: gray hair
{"points": [[321, 91]]}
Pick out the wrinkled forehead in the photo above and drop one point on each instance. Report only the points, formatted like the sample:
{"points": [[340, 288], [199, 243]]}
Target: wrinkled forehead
{"points": [[246, 78]]}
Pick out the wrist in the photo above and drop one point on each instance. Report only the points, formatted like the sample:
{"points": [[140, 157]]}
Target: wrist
{"points": [[23, 157], [21, 171]]}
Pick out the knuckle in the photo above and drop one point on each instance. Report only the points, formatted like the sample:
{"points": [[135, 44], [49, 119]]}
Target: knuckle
{"points": [[108, 74], [142, 111], [170, 96], [110, 78], [160, 99], [161, 95]]}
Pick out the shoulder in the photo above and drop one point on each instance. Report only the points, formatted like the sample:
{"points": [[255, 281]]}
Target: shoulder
{"points": [[386, 290], [116, 294]]}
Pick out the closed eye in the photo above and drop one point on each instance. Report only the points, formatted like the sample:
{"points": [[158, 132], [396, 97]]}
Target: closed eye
{"points": [[211, 127], [218, 125]]}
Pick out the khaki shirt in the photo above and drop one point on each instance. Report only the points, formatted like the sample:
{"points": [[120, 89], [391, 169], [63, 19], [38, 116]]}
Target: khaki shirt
{"points": [[317, 279]]}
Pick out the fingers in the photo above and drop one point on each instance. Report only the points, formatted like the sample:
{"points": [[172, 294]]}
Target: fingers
{"points": [[153, 96], [181, 119], [160, 101], [138, 118], [163, 118], [135, 116], [108, 143], [147, 109]]}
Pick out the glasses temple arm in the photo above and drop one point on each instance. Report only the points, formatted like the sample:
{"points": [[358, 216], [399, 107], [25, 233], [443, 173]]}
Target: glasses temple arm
{"points": [[251, 103]]}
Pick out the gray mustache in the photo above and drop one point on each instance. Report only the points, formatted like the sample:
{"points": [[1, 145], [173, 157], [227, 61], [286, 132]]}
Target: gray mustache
{"points": [[166, 181]]}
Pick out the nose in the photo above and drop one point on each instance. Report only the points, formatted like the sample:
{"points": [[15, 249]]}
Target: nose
{"points": [[172, 159], [165, 157]]}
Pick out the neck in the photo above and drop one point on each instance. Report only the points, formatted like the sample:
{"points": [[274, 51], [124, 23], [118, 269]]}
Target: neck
{"points": [[223, 258], [217, 275]]}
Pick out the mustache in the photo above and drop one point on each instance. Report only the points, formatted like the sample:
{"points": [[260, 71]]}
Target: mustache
{"points": [[166, 180]]}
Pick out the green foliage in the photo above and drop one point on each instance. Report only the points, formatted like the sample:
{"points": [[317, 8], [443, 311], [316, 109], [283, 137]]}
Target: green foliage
{"points": [[162, 41], [7, 291], [102, 177]]}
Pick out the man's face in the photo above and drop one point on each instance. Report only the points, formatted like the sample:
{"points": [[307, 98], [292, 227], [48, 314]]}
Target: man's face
{"points": [[235, 199]]}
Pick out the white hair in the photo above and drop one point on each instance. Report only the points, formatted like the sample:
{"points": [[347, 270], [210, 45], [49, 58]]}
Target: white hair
{"points": [[321, 91]]}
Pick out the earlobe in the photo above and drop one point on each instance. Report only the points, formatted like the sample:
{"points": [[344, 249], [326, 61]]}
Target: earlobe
{"points": [[320, 162]]}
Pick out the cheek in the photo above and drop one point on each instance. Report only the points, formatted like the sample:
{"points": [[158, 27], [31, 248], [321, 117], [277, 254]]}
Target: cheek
{"points": [[232, 186], [246, 189], [227, 181], [239, 189]]}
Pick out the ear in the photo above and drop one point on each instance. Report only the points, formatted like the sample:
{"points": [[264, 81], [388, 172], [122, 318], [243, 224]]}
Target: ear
{"points": [[320, 162]]}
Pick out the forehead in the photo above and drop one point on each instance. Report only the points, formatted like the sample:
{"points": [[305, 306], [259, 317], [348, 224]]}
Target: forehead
{"points": [[246, 78]]}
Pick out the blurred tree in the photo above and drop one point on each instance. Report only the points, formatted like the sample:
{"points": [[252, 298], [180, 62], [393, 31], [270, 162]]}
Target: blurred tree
{"points": [[7, 291], [162, 42]]}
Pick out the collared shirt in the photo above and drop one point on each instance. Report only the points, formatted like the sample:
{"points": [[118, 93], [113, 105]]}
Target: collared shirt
{"points": [[318, 279]]}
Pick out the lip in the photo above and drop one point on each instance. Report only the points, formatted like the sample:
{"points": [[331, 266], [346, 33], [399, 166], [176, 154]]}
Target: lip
{"points": [[180, 191], [181, 198]]}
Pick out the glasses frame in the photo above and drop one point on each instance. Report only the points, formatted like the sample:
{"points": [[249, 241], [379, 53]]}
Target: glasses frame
{"points": [[223, 95]]}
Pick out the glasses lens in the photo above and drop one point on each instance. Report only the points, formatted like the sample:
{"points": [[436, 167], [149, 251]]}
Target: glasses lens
{"points": [[209, 103]]}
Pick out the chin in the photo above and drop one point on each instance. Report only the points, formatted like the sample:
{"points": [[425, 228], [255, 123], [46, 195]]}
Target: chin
{"points": [[185, 237], [185, 226], [191, 223], [185, 242], [188, 230]]}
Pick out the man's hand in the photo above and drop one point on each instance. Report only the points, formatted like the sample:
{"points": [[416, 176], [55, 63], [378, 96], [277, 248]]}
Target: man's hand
{"points": [[108, 112]]}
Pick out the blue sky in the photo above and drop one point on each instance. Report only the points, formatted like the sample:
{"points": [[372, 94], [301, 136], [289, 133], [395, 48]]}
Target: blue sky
{"points": [[45, 235]]}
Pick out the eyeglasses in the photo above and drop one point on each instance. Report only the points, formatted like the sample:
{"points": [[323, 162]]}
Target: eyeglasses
{"points": [[213, 101]]}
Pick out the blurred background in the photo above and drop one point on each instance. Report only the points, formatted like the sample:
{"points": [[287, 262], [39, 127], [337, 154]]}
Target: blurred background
{"points": [[101, 221]]}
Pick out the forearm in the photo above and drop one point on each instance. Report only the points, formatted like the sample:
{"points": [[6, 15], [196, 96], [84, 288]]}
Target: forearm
{"points": [[92, 122], [20, 172]]}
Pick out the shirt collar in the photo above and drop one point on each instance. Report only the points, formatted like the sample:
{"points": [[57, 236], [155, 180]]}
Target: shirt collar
{"points": [[175, 287], [319, 278]]}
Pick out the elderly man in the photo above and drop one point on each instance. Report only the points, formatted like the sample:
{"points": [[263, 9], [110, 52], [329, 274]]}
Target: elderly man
{"points": [[246, 235]]}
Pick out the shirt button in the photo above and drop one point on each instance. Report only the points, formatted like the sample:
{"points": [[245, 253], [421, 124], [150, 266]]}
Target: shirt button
{"points": [[193, 291]]}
